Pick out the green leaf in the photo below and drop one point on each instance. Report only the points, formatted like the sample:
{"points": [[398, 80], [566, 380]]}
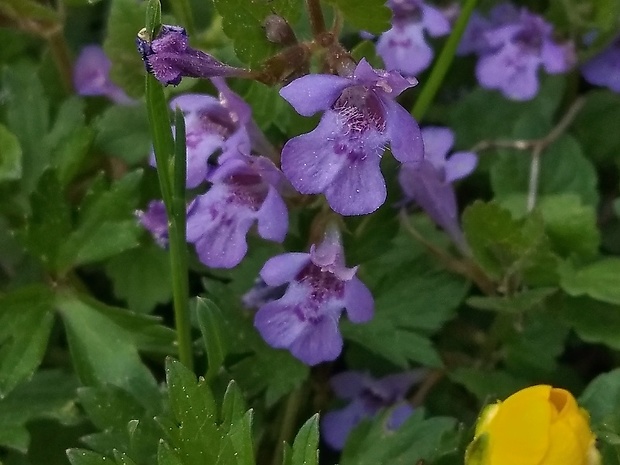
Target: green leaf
{"points": [[527, 300], [106, 225], [602, 397], [10, 156], [305, 447], [600, 280], [594, 125], [26, 318], [412, 302], [563, 169], [268, 108], [213, 329], [166, 456], [153, 17], [504, 246], [49, 394], [141, 276], [487, 386], [86, 457], [367, 15], [417, 439], [29, 10], [194, 409], [123, 459], [125, 19], [103, 352], [123, 131], [593, 321], [27, 116], [233, 405], [243, 23], [240, 437], [49, 225]]}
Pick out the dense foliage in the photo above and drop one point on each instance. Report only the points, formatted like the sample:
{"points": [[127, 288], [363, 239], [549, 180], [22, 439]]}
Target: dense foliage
{"points": [[302, 232]]}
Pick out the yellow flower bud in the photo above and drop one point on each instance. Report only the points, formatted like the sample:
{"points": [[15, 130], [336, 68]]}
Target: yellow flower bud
{"points": [[539, 425]]}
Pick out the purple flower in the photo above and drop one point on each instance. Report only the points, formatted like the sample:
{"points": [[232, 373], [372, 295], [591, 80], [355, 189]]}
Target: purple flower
{"points": [[604, 68], [404, 48], [512, 47], [367, 397], [341, 156], [155, 220], [429, 182], [261, 293], [305, 319], [244, 190], [91, 76], [169, 58]]}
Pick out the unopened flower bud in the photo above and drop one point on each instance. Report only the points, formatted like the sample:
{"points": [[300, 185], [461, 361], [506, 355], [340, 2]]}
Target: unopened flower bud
{"points": [[279, 31]]}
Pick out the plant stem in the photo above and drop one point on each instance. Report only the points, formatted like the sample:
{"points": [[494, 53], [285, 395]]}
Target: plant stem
{"points": [[183, 13], [62, 59], [287, 426], [317, 21], [443, 62], [168, 155]]}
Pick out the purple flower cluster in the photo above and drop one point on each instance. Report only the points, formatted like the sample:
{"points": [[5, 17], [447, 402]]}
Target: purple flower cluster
{"points": [[91, 76], [512, 45], [404, 47], [429, 182], [341, 157], [244, 188], [169, 57], [367, 397], [604, 68], [319, 286]]}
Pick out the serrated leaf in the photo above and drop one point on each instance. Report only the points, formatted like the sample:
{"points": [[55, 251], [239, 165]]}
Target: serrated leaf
{"points": [[417, 439], [27, 116], [305, 447], [240, 436], [123, 131], [522, 302], [123, 459], [106, 225], [502, 245], [49, 224], [10, 156], [243, 23], [602, 397], [103, 352], [600, 280], [141, 276], [594, 125], [233, 405], [86, 457], [125, 19], [49, 394], [213, 329], [166, 456], [593, 321], [366, 15], [26, 318]]}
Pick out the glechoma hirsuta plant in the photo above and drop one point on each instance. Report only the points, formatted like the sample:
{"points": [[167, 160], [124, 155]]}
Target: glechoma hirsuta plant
{"points": [[278, 227]]}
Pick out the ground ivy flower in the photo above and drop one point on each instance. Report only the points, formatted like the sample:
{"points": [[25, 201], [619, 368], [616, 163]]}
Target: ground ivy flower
{"points": [[340, 158], [512, 49], [367, 397], [155, 221], [604, 68], [539, 425], [169, 57], [319, 286], [244, 191], [404, 47], [429, 182], [91, 76], [212, 126]]}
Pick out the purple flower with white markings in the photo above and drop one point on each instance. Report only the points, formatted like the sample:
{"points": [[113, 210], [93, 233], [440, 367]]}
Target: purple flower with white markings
{"points": [[341, 157], [512, 47], [169, 57], [244, 191], [404, 47], [604, 68], [429, 182], [319, 286], [91, 76], [155, 221], [367, 396]]}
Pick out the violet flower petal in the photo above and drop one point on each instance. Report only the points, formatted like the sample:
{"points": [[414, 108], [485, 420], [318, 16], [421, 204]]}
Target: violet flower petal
{"points": [[404, 133], [337, 424], [314, 92], [460, 165], [273, 217], [283, 268], [358, 301]]}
